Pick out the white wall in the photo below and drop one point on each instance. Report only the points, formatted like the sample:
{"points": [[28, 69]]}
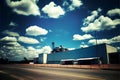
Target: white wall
{"points": [[44, 58], [111, 49]]}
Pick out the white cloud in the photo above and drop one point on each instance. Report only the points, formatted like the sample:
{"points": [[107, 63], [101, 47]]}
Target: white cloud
{"points": [[45, 49], [71, 48], [28, 40], [43, 39], [36, 31], [11, 46], [12, 51], [52, 10], [50, 30], [83, 46], [82, 37], [93, 15], [31, 52], [114, 12], [92, 23], [115, 39], [70, 5], [14, 44], [116, 21], [65, 3], [24, 7], [18, 52], [75, 4], [10, 33], [107, 41], [102, 23], [98, 41], [30, 48], [38, 47], [7, 38]]}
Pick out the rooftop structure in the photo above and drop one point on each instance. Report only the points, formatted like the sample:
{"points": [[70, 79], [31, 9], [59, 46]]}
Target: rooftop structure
{"points": [[58, 49]]}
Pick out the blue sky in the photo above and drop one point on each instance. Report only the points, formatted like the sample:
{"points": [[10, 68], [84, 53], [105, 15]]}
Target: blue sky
{"points": [[27, 27]]}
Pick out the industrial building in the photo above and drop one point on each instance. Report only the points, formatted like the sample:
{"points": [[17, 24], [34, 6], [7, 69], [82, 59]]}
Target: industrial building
{"points": [[97, 54]]}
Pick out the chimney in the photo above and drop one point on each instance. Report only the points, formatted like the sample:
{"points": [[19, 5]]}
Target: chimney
{"points": [[53, 45]]}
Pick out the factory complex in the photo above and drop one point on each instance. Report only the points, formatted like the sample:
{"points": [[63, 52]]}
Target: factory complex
{"points": [[97, 54]]}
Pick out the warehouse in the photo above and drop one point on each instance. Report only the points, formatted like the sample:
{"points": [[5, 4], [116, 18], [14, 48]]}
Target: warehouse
{"points": [[97, 54]]}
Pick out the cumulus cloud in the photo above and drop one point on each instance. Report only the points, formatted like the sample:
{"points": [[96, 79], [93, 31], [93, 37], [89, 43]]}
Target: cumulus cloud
{"points": [[98, 41], [18, 52], [38, 47], [107, 41], [115, 39], [83, 46], [75, 4], [93, 15], [24, 7], [49, 30], [102, 23], [7, 38], [13, 44], [10, 33], [45, 49], [116, 21], [11, 49], [114, 12], [71, 48], [15, 47], [65, 3], [95, 23], [27, 40], [71, 5], [36, 31], [82, 37], [52, 10], [43, 39], [31, 52]]}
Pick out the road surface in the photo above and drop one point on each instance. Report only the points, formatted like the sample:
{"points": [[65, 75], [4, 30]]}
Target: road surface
{"points": [[13, 72]]}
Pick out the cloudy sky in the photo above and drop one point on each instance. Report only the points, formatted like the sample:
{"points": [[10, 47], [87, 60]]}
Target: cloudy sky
{"points": [[27, 27]]}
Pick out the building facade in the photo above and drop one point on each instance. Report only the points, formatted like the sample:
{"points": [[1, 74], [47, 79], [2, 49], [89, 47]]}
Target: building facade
{"points": [[98, 54]]}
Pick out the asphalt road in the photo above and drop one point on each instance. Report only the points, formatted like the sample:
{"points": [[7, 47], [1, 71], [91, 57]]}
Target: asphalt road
{"points": [[12, 72]]}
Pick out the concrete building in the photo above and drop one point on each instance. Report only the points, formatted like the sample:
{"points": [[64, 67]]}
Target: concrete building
{"points": [[98, 54]]}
